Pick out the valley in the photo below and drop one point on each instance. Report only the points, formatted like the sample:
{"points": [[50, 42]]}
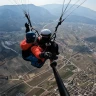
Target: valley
{"points": [[76, 64]]}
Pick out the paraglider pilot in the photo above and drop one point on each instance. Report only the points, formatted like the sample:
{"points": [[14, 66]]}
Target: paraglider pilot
{"points": [[38, 49]]}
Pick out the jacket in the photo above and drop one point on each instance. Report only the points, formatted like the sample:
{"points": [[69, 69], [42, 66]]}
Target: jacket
{"points": [[35, 49]]}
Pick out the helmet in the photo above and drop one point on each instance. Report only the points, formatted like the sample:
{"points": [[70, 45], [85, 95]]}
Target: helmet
{"points": [[30, 37], [46, 32]]}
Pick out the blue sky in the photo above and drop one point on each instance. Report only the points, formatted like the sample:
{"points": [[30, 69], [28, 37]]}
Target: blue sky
{"points": [[89, 3]]}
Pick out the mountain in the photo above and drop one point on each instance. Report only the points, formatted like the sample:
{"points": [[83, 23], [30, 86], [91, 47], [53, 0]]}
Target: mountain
{"points": [[12, 16], [81, 11], [53, 8], [80, 19]]}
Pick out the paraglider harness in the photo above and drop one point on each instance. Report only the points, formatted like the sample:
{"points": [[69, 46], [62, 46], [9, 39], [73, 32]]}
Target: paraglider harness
{"points": [[30, 28], [27, 54]]}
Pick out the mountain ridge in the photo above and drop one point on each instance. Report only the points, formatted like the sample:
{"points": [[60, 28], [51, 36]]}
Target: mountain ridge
{"points": [[12, 17], [81, 11]]}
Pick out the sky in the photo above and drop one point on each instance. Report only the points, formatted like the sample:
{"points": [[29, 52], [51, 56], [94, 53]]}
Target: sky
{"points": [[89, 3]]}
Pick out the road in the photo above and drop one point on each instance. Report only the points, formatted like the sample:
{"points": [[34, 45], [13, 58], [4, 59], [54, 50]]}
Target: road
{"points": [[6, 47]]}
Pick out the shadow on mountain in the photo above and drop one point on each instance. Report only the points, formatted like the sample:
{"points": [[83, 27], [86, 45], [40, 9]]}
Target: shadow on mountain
{"points": [[91, 39], [81, 49]]}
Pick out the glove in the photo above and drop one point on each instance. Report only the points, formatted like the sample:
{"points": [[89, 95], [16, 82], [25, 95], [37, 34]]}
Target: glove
{"points": [[27, 27], [46, 55]]}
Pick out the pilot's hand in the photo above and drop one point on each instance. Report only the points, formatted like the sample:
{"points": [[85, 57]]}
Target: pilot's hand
{"points": [[46, 55]]}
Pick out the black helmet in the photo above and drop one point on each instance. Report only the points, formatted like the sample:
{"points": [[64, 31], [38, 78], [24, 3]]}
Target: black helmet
{"points": [[30, 37]]}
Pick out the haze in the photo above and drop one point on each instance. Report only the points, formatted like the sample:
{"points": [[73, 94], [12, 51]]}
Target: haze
{"points": [[89, 3]]}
